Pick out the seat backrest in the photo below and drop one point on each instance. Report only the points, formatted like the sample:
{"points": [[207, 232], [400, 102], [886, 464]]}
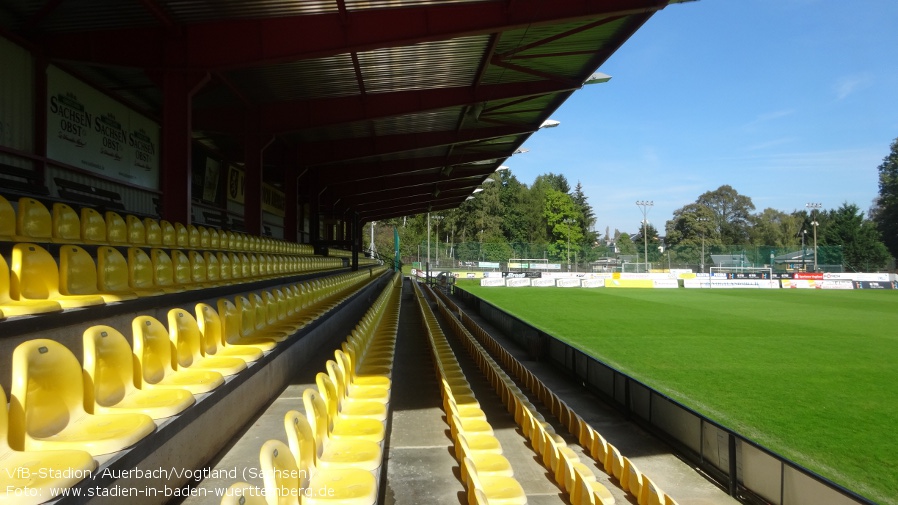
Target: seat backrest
{"points": [[35, 275], [261, 311], [193, 237], [108, 366], [153, 232], [137, 231], [280, 475], [246, 271], [4, 424], [301, 442], [316, 414], [7, 220], [214, 239], [198, 271], [328, 391], [47, 390], [213, 268], [169, 237], [247, 316], [205, 238], [181, 264], [272, 307], [210, 327], [112, 271], [152, 349], [231, 325], [66, 223], [185, 337], [116, 228], [182, 236], [33, 220], [93, 226], [225, 267], [141, 272], [77, 271], [163, 269]]}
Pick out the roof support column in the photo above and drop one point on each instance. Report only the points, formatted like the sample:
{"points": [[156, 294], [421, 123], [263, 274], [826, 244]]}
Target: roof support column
{"points": [[178, 89], [356, 233], [291, 202], [252, 195]]}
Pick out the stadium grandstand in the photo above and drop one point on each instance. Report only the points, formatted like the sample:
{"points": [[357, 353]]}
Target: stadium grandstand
{"points": [[185, 308]]}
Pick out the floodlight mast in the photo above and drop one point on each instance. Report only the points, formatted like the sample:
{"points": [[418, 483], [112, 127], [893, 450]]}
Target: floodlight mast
{"points": [[814, 207], [645, 204]]}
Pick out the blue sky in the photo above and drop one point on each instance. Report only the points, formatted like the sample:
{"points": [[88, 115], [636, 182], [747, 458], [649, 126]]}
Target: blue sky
{"points": [[788, 101]]}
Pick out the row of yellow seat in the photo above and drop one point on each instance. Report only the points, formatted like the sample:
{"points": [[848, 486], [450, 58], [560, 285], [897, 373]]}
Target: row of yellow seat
{"points": [[608, 457], [36, 284], [335, 449], [63, 413], [485, 472], [33, 222]]}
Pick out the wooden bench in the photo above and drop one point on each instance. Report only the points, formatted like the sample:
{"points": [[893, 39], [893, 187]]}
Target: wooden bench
{"points": [[77, 192]]}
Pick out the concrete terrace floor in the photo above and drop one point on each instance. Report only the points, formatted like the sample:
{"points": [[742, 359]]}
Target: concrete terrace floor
{"points": [[419, 463]]}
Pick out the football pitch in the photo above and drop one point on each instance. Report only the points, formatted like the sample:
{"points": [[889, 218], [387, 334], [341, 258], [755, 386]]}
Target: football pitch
{"points": [[809, 374]]}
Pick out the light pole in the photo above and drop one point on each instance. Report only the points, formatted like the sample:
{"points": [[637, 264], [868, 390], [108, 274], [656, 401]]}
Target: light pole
{"points": [[702, 220], [645, 204], [814, 207]]}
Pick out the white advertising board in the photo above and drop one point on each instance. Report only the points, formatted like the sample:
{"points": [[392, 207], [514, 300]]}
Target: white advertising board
{"points": [[543, 283], [717, 283], [593, 283], [567, 283], [492, 281], [91, 131], [517, 282], [666, 283]]}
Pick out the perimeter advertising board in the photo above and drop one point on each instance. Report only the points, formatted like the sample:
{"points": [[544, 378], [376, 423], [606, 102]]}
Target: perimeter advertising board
{"points": [[91, 131]]}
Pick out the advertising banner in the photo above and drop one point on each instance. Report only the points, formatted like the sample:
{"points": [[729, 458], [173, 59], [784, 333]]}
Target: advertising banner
{"points": [[91, 131], [798, 283], [545, 266], [718, 283], [543, 283], [273, 199], [567, 283], [834, 284], [814, 276], [487, 264], [629, 283], [873, 285], [666, 283], [522, 275], [492, 282], [593, 283], [517, 282]]}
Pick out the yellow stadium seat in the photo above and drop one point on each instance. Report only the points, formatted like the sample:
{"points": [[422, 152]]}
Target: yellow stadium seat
{"points": [[213, 269], [13, 307], [137, 230], [342, 428], [93, 226], [78, 275], [164, 272], [487, 463], [213, 340], [316, 450], [183, 276], [116, 229], [169, 236], [205, 237], [182, 236], [214, 239], [153, 232], [33, 221], [614, 463], [193, 237], [631, 480], [35, 276], [29, 477], [109, 379], [66, 224], [346, 407], [141, 273], [226, 270], [233, 331], [112, 273], [7, 221], [152, 348], [497, 489], [254, 318], [199, 273], [242, 493], [47, 405], [188, 346]]}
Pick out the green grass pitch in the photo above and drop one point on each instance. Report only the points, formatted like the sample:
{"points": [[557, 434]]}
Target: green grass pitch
{"points": [[812, 375]]}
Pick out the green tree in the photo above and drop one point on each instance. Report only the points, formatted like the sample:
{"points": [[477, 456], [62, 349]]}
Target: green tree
{"points": [[862, 248], [732, 213], [625, 245], [776, 228], [587, 216], [562, 217], [885, 211]]}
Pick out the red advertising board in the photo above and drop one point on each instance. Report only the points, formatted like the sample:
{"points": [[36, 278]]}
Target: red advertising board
{"points": [[810, 276]]}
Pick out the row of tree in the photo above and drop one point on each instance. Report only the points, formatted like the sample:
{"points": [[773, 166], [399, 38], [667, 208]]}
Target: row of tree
{"points": [[509, 219]]}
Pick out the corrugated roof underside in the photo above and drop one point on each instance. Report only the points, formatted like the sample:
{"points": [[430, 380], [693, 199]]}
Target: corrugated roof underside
{"points": [[300, 80], [79, 16], [196, 11], [428, 65]]}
